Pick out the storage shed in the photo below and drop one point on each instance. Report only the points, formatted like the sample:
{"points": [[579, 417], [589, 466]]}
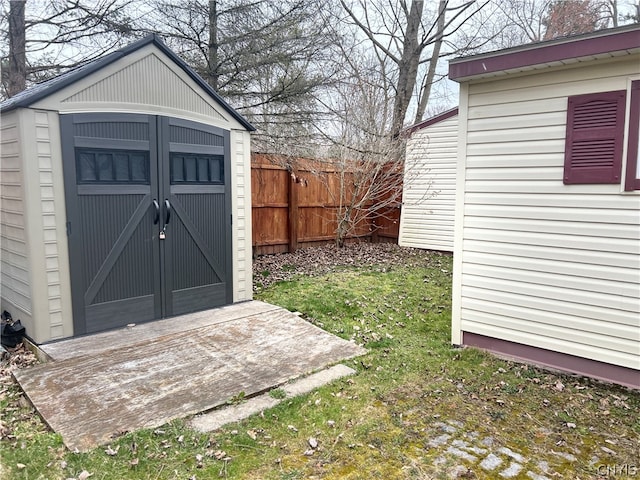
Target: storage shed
{"points": [[547, 233], [429, 192], [125, 196]]}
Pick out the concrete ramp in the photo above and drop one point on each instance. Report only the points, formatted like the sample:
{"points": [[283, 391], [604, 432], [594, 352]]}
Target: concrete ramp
{"points": [[100, 386]]}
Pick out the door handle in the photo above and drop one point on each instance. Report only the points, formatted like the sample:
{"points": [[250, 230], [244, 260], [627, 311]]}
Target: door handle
{"points": [[156, 217], [167, 216], [167, 212]]}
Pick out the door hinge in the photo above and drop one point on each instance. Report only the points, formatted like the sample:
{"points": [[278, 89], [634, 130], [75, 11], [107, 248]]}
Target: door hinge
{"points": [[68, 229], [231, 219]]}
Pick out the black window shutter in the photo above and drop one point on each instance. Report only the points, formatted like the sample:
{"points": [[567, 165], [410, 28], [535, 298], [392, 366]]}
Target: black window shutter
{"points": [[595, 132]]}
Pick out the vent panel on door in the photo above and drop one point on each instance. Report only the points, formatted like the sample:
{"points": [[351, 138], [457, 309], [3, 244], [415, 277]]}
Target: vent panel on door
{"points": [[115, 130], [180, 134]]}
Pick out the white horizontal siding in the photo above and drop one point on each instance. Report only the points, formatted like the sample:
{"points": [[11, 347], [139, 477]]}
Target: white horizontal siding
{"points": [[619, 275], [564, 199], [538, 276], [589, 257], [591, 333], [539, 262], [555, 340], [596, 316], [14, 279], [428, 197]]}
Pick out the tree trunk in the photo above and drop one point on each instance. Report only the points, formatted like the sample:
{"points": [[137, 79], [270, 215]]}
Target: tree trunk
{"points": [[433, 63], [17, 80], [408, 66], [213, 76], [614, 12]]}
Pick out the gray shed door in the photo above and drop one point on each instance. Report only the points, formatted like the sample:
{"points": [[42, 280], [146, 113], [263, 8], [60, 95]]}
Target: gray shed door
{"points": [[149, 217]]}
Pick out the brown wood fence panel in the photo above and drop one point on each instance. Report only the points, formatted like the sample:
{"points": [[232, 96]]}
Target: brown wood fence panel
{"points": [[297, 210]]}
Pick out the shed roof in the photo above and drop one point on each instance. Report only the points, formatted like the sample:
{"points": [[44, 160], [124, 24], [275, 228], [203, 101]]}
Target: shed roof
{"points": [[44, 89], [560, 51], [431, 121]]}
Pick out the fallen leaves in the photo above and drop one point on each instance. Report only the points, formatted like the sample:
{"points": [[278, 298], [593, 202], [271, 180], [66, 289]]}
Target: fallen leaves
{"points": [[111, 452], [16, 407], [219, 454], [321, 260], [313, 444]]}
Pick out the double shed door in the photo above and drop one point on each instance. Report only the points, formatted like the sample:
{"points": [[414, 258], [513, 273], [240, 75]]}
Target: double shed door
{"points": [[149, 217]]}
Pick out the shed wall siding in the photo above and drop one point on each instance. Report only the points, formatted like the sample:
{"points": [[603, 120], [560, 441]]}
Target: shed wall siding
{"points": [[56, 251], [14, 265], [241, 208], [541, 263], [428, 198]]}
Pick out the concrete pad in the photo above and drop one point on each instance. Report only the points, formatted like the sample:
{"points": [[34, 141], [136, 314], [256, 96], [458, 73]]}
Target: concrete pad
{"points": [[146, 380], [215, 419]]}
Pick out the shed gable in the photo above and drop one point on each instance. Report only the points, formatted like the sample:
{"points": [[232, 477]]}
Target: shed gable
{"points": [[147, 81]]}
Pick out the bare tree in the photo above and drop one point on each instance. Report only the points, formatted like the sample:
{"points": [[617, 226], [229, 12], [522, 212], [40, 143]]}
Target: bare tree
{"points": [[364, 159], [389, 65], [633, 15], [47, 37], [412, 37], [570, 18], [523, 21], [536, 20], [611, 9], [17, 75]]}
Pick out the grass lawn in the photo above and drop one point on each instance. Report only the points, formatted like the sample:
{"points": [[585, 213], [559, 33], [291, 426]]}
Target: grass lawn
{"points": [[376, 424]]}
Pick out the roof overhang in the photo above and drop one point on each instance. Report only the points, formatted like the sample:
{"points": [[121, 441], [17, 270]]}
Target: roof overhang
{"points": [[431, 121], [614, 42]]}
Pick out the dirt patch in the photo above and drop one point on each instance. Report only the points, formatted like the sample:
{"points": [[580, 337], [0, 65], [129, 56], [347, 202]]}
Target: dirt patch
{"points": [[16, 407]]}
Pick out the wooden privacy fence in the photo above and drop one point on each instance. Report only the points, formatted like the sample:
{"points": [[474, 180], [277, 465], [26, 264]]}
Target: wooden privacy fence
{"points": [[296, 208]]}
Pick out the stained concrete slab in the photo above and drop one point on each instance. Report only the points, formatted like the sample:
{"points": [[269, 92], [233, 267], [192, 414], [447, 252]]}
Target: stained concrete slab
{"points": [[215, 419], [150, 374]]}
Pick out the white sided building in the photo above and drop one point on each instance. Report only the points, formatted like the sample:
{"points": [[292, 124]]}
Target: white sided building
{"points": [[547, 227], [429, 192]]}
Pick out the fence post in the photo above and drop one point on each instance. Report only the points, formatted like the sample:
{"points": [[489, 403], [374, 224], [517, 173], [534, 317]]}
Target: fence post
{"points": [[292, 203]]}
